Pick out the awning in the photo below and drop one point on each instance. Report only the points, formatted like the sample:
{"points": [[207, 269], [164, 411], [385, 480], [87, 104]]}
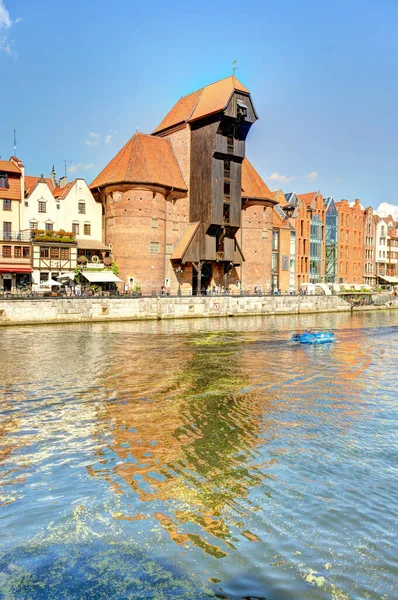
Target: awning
{"points": [[15, 270], [101, 277], [91, 245], [49, 283], [66, 276], [388, 278]]}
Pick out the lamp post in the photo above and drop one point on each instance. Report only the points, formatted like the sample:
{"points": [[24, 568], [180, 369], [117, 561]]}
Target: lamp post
{"points": [[178, 271]]}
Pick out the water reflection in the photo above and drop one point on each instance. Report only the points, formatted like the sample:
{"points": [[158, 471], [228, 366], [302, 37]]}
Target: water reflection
{"points": [[215, 457]]}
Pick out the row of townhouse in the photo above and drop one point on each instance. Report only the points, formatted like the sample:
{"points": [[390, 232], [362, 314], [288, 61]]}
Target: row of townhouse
{"points": [[184, 209], [44, 226], [316, 239]]}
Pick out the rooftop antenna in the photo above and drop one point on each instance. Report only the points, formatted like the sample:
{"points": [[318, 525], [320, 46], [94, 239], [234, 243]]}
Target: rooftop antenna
{"points": [[66, 162], [234, 67], [15, 142]]}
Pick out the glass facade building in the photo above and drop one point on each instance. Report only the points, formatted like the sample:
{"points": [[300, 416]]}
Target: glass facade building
{"points": [[331, 241], [316, 231]]}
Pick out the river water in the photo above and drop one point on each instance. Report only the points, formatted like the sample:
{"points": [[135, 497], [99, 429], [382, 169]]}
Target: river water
{"points": [[200, 459]]}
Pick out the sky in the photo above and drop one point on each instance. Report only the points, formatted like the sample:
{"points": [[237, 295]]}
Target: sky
{"points": [[79, 77]]}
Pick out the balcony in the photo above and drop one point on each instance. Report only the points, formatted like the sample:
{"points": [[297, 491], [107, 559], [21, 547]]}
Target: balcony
{"points": [[15, 236]]}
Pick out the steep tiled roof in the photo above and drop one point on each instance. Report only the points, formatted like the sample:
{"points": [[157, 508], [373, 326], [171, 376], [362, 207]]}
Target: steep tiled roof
{"points": [[208, 100], [62, 192], [307, 198], [144, 159], [9, 167], [252, 184], [31, 182]]}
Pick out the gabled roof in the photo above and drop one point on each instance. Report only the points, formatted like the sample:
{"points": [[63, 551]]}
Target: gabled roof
{"points": [[59, 192], [208, 100], [31, 182], [9, 167], [144, 159], [252, 184], [308, 198]]}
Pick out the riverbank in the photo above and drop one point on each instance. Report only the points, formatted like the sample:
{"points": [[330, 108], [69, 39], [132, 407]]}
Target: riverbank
{"points": [[78, 310]]}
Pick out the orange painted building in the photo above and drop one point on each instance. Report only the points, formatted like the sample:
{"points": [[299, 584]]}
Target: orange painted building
{"points": [[350, 242]]}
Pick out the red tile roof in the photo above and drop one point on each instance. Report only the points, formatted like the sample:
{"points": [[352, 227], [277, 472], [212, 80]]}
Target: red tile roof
{"points": [[9, 167], [59, 192], [208, 100], [144, 159], [308, 198], [252, 184], [31, 182]]}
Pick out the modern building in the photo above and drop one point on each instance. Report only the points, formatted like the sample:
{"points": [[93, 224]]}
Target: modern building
{"points": [[175, 213], [331, 240], [316, 210]]}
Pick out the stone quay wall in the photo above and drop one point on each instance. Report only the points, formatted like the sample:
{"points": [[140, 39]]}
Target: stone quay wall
{"points": [[77, 310]]}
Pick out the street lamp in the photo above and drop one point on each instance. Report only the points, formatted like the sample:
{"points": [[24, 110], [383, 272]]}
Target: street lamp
{"points": [[178, 271]]}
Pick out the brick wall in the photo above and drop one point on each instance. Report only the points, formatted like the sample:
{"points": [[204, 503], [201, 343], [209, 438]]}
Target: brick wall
{"points": [[256, 243], [350, 242]]}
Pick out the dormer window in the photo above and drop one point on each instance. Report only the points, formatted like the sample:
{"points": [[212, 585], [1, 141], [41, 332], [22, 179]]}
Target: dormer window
{"points": [[4, 182], [241, 108], [82, 208]]}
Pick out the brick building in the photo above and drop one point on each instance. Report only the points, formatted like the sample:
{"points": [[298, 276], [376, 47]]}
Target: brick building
{"points": [[175, 213], [350, 242]]}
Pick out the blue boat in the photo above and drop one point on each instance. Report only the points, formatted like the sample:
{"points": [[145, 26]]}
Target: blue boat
{"points": [[314, 337]]}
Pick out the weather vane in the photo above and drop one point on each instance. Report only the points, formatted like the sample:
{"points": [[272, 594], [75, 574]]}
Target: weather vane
{"points": [[234, 66]]}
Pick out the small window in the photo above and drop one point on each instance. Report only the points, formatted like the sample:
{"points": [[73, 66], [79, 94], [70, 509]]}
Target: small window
{"points": [[42, 207], [54, 252], [2, 182], [175, 225], [111, 221], [17, 251], [87, 229], [154, 223], [65, 253], [33, 225], [75, 228], [82, 208], [49, 227], [154, 247], [26, 251], [44, 276], [44, 252], [6, 204], [169, 249], [6, 251], [230, 144]]}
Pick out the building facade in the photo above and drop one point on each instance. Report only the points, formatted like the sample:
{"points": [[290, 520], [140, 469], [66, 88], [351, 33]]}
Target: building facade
{"points": [[331, 240], [369, 250], [350, 242], [175, 212]]}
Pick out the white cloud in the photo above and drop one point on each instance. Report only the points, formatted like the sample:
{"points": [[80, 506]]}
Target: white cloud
{"points": [[313, 175], [92, 139], [385, 209], [280, 178], [6, 45], [5, 19], [110, 136], [339, 180], [80, 167]]}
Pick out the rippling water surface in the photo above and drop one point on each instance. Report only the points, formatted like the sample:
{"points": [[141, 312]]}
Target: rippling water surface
{"points": [[200, 459]]}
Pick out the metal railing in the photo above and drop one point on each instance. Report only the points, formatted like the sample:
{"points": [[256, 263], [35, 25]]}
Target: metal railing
{"points": [[15, 236]]}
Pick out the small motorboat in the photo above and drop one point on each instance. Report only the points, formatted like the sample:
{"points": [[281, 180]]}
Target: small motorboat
{"points": [[314, 337]]}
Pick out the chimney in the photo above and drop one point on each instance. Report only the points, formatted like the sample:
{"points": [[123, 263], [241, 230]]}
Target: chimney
{"points": [[54, 177], [63, 181]]}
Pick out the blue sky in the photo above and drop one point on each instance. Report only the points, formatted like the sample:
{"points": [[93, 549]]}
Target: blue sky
{"points": [[79, 77]]}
